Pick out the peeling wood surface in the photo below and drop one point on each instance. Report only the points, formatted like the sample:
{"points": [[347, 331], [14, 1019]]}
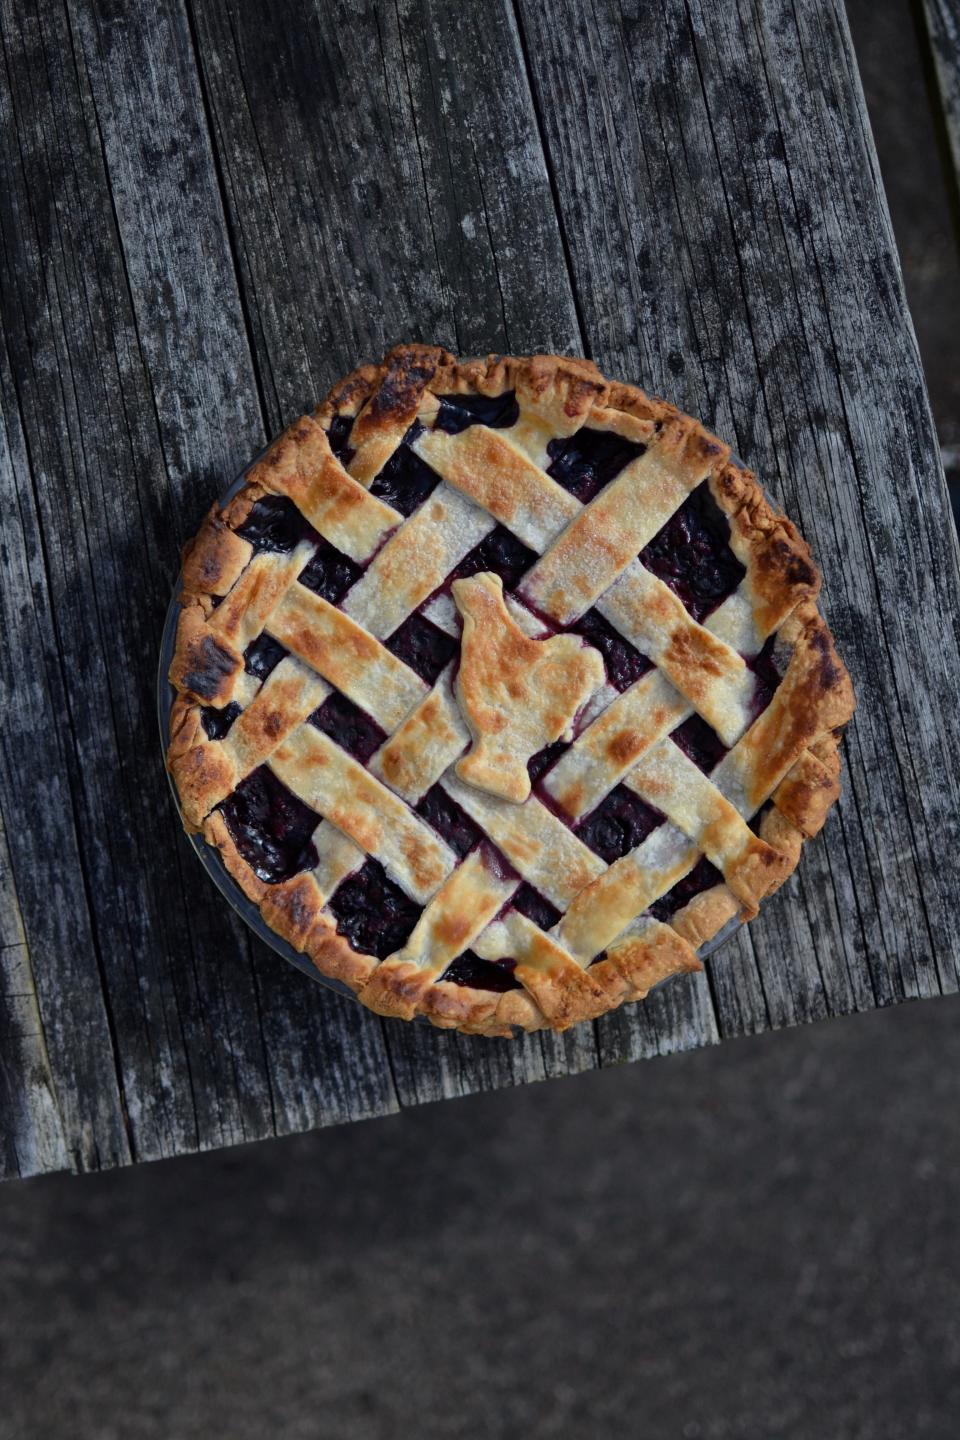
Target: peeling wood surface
{"points": [[208, 213]]}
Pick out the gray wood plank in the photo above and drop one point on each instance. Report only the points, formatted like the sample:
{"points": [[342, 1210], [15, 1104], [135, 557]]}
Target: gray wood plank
{"points": [[733, 252], [138, 394], [942, 19], [31, 1131], [44, 868], [192, 329]]}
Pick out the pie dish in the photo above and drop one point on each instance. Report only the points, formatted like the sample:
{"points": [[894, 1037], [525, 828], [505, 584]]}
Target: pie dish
{"points": [[501, 688]]}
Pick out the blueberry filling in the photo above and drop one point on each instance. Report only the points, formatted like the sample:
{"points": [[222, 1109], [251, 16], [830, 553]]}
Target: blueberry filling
{"points": [[450, 822], [373, 913], [768, 678], [423, 646], [406, 480], [329, 572], [270, 827], [583, 463], [275, 523], [692, 554], [500, 552], [469, 969], [618, 824], [263, 655], [458, 412], [701, 744], [539, 764], [701, 877], [349, 726], [535, 906], [497, 863], [758, 819], [624, 663], [339, 436], [217, 722]]}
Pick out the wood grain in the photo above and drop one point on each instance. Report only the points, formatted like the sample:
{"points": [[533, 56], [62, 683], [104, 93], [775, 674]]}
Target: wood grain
{"points": [[209, 212], [942, 18], [31, 1140]]}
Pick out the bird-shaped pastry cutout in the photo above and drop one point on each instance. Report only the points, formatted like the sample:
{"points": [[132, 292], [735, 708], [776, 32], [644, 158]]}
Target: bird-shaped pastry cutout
{"points": [[516, 694]]}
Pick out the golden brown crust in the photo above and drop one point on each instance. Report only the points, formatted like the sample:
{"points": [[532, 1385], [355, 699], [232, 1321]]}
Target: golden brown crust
{"points": [[517, 694], [790, 757], [781, 569], [204, 668]]}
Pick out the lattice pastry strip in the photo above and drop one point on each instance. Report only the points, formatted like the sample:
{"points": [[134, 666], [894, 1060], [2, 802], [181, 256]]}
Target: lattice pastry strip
{"points": [[502, 481], [540, 846], [456, 915], [425, 744], [590, 475], [289, 694], [711, 676], [416, 560], [606, 535], [347, 655], [745, 777], [337, 858], [302, 466], [607, 750], [242, 614], [602, 910], [667, 778], [498, 476], [566, 989], [334, 785], [608, 747]]}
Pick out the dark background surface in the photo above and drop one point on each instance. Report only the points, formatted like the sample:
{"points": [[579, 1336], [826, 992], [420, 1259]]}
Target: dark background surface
{"points": [[754, 1240]]}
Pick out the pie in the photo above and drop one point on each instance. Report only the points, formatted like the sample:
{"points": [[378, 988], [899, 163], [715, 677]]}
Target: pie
{"points": [[501, 688]]}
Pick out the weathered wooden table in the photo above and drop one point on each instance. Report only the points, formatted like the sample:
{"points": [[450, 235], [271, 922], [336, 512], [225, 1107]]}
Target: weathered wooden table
{"points": [[210, 210]]}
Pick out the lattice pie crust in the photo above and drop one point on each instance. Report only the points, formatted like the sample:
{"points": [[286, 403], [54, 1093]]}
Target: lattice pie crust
{"points": [[500, 689]]}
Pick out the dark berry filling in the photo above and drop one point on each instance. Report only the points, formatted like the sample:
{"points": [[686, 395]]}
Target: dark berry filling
{"points": [[373, 913], [539, 764], [339, 436], [270, 827], [217, 722], [618, 824], [406, 480], [458, 412], [329, 572], [768, 678], [497, 863], [703, 745], [701, 877], [583, 463], [624, 663], [758, 819], [450, 822], [263, 655], [535, 906], [349, 726], [692, 554], [423, 646], [469, 969], [500, 552], [275, 523]]}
